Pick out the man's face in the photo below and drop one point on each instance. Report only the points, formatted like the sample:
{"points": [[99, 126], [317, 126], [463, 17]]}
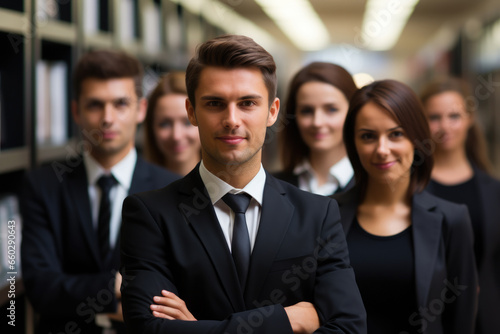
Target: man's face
{"points": [[232, 114], [108, 112]]}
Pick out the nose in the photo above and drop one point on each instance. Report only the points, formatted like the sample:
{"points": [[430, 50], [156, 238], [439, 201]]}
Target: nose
{"points": [[383, 148], [231, 118], [317, 118], [177, 131], [108, 115]]}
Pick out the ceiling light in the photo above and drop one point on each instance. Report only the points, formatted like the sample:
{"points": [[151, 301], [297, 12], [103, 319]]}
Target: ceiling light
{"points": [[228, 20], [299, 22], [383, 22]]}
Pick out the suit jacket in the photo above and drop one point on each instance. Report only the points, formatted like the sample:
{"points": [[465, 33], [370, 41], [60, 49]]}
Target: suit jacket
{"points": [[445, 275], [171, 239], [65, 278], [488, 316], [294, 180]]}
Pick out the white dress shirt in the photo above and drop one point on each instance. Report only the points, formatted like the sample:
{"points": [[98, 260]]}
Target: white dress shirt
{"points": [[217, 188], [340, 175], [123, 172]]}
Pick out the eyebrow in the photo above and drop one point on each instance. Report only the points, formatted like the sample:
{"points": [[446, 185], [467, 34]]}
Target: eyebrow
{"points": [[218, 98], [389, 130], [119, 98]]}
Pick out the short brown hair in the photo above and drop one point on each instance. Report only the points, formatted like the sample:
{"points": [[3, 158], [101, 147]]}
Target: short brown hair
{"points": [[475, 144], [231, 51], [107, 64], [403, 104], [171, 83], [293, 147]]}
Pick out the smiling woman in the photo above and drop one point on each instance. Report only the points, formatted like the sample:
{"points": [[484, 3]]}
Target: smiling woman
{"points": [[171, 140], [313, 152], [405, 245]]}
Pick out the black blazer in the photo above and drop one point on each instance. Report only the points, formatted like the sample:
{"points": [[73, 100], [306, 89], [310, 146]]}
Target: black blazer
{"points": [[65, 278], [171, 239], [445, 275], [488, 316], [294, 179]]}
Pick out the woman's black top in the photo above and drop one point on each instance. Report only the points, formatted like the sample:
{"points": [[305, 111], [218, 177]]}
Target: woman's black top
{"points": [[465, 193], [385, 274]]}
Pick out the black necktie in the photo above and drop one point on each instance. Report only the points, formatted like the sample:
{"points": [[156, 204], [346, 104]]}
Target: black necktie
{"points": [[240, 245], [105, 182]]}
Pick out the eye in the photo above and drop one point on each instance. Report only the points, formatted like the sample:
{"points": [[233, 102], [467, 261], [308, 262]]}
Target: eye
{"points": [[93, 105], [165, 124], [121, 103], [367, 136], [434, 118], [331, 109], [213, 104], [397, 134], [187, 123], [305, 111], [455, 116], [248, 103]]}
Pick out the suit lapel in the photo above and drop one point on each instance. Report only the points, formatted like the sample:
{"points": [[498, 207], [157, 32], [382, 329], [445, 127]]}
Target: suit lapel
{"points": [[198, 210], [276, 215], [348, 204], [427, 226], [78, 192]]}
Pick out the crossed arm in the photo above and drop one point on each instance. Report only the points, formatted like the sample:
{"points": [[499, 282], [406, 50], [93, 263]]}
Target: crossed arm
{"points": [[302, 316]]}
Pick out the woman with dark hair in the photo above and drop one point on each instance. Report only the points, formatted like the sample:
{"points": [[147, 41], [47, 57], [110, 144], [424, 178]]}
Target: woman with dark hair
{"points": [[461, 175], [170, 139], [313, 153], [411, 251]]}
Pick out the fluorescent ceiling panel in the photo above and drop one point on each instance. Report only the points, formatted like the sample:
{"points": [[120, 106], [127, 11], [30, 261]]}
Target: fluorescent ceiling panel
{"points": [[299, 22], [383, 22]]}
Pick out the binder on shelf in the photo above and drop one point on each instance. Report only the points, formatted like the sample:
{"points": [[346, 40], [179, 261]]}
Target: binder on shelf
{"points": [[151, 22], [91, 16], [127, 20], [47, 10], [51, 88]]}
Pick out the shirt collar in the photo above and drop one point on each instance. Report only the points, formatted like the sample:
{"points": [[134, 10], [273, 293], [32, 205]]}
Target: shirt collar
{"points": [[217, 188], [342, 170], [122, 171]]}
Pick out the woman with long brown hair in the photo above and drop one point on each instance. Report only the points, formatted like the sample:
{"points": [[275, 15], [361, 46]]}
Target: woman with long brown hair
{"points": [[411, 251], [313, 153], [461, 175]]}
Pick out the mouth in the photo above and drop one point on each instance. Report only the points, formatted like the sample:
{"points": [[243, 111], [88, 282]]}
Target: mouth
{"points": [[385, 165], [318, 136], [231, 140], [106, 135]]}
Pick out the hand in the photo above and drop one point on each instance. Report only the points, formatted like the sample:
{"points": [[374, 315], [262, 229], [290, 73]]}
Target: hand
{"points": [[118, 315], [169, 306], [118, 284], [303, 317]]}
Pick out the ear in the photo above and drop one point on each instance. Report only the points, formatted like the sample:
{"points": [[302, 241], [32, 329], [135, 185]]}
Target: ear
{"points": [[74, 112], [191, 113], [142, 109], [273, 112]]}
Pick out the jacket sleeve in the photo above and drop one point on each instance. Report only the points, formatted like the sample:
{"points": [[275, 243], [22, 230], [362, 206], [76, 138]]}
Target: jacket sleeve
{"points": [[336, 295], [146, 271], [462, 283], [50, 288]]}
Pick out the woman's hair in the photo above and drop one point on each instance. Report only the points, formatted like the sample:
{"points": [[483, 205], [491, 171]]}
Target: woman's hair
{"points": [[293, 148], [171, 83], [404, 106], [475, 144]]}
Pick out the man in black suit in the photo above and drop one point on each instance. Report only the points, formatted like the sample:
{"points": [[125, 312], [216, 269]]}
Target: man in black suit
{"points": [[72, 209], [229, 248]]}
